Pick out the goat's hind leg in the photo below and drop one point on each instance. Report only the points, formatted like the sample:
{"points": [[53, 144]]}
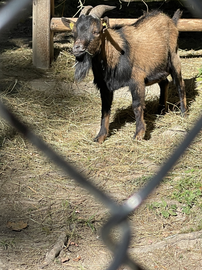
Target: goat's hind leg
{"points": [[138, 105], [179, 82], [164, 85], [107, 98]]}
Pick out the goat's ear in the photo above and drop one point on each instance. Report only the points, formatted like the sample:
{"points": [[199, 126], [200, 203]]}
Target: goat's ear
{"points": [[105, 23], [68, 23]]}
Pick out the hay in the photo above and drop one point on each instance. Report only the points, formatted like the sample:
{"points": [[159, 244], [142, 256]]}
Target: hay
{"points": [[67, 116], [69, 120]]}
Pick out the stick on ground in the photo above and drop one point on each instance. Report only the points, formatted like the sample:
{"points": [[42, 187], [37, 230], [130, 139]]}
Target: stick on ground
{"points": [[54, 252]]}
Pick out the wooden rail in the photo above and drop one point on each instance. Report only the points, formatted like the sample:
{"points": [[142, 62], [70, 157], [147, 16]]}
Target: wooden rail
{"points": [[185, 25]]}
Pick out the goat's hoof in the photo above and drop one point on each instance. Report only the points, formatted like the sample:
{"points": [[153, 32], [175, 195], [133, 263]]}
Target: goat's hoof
{"points": [[184, 113], [140, 135], [100, 139]]}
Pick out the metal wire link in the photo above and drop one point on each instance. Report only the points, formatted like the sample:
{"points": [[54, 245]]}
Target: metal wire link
{"points": [[119, 213]]}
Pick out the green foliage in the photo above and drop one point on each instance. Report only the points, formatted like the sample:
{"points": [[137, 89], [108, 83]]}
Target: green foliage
{"points": [[90, 223], [164, 209], [5, 244], [75, 219], [188, 191], [200, 225], [200, 72], [199, 77]]}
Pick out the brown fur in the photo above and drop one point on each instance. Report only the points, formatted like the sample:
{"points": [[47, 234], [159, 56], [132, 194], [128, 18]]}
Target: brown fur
{"points": [[152, 41], [112, 47]]}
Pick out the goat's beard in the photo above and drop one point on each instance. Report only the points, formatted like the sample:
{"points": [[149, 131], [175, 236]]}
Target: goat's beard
{"points": [[83, 65]]}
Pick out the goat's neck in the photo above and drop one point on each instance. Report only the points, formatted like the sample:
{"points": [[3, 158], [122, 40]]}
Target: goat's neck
{"points": [[112, 47]]}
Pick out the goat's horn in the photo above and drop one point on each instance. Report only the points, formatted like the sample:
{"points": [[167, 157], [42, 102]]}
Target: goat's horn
{"points": [[99, 10], [85, 10]]}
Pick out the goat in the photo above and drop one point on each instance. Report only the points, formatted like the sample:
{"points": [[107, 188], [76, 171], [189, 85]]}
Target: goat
{"points": [[135, 55]]}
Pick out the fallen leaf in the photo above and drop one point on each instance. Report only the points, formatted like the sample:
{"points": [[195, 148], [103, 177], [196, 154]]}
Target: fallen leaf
{"points": [[78, 258], [17, 226], [73, 244], [64, 260]]}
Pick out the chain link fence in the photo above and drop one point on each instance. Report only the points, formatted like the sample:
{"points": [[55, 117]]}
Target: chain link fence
{"points": [[119, 213]]}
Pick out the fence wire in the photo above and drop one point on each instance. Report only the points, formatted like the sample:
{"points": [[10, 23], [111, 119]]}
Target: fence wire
{"points": [[119, 213]]}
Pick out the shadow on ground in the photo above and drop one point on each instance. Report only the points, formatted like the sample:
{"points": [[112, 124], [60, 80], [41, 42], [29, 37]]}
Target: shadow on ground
{"points": [[126, 115]]}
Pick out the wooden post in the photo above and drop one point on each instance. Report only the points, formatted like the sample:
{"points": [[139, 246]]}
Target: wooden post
{"points": [[42, 36]]}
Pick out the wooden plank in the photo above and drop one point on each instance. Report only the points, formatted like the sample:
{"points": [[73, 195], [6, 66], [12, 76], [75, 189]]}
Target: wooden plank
{"points": [[190, 25], [42, 36], [184, 25]]}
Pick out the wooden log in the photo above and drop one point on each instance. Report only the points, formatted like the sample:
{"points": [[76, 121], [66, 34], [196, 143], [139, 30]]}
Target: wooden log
{"points": [[184, 25]]}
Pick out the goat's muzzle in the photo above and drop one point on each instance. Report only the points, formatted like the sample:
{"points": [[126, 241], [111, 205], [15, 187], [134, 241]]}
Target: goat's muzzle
{"points": [[78, 49]]}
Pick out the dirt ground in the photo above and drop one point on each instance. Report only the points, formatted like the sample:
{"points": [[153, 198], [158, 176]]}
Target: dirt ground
{"points": [[38, 202]]}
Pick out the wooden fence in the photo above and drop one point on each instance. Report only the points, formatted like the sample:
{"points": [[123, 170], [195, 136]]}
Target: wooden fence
{"points": [[44, 26]]}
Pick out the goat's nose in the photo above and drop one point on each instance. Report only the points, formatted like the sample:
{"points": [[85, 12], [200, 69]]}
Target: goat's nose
{"points": [[78, 48]]}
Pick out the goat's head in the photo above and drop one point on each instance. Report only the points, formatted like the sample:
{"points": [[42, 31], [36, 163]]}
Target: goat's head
{"points": [[88, 30]]}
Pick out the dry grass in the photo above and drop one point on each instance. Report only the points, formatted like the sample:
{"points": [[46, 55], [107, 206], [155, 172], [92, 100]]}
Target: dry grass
{"points": [[67, 117]]}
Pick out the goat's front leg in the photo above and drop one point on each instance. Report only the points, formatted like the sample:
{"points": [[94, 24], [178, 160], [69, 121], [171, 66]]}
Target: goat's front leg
{"points": [[107, 98], [138, 105]]}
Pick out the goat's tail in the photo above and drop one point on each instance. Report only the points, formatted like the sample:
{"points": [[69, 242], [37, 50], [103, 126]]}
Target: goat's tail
{"points": [[176, 16]]}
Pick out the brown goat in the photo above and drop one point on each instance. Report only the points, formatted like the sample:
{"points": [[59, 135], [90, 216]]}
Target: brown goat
{"points": [[135, 55]]}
